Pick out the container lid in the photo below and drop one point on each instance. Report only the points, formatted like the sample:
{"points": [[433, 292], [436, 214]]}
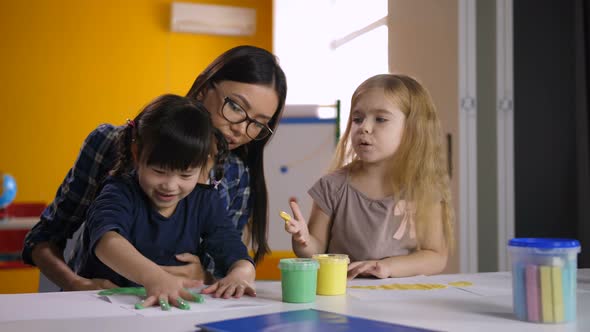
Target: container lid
{"points": [[332, 258], [298, 264], [544, 243]]}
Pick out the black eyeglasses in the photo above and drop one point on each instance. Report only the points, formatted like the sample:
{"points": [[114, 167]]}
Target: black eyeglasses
{"points": [[234, 113]]}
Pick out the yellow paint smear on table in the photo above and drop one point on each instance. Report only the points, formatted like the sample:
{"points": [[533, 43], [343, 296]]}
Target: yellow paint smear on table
{"points": [[403, 286], [415, 286], [461, 283]]}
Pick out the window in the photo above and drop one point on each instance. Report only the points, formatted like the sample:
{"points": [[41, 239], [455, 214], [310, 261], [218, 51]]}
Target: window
{"points": [[328, 47]]}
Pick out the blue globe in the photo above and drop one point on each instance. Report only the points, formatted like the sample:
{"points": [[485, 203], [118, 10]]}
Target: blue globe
{"points": [[8, 192]]}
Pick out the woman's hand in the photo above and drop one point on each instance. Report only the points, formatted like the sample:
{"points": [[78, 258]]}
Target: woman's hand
{"points": [[238, 282], [84, 284], [164, 289], [191, 270], [368, 269], [297, 226]]}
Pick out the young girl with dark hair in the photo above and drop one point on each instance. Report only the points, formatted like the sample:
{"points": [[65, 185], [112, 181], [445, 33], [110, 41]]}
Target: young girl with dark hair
{"points": [[151, 208]]}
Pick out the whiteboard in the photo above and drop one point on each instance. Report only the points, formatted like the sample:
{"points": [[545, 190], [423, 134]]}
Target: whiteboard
{"points": [[295, 158]]}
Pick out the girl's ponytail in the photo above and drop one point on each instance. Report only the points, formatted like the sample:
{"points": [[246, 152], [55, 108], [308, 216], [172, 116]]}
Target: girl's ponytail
{"points": [[124, 162]]}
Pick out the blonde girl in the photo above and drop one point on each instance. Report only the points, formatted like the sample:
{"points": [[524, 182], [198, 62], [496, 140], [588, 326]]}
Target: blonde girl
{"points": [[386, 201]]}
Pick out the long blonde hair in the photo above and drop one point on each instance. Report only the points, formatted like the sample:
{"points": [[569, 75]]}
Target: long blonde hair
{"points": [[418, 167]]}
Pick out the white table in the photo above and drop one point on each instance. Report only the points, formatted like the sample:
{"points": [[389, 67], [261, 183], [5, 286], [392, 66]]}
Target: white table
{"points": [[450, 311]]}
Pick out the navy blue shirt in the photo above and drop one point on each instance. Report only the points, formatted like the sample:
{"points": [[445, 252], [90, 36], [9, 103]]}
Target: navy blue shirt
{"points": [[123, 207]]}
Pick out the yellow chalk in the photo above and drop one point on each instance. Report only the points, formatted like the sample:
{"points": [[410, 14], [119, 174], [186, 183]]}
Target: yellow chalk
{"points": [[546, 294], [286, 217]]}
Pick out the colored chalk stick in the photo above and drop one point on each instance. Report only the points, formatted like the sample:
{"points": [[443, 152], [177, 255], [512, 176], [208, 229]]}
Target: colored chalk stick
{"points": [[557, 283], [532, 292], [519, 292], [546, 294], [569, 291]]}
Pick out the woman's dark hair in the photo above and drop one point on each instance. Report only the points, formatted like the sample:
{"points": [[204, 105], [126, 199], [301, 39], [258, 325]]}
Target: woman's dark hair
{"points": [[171, 132], [252, 65]]}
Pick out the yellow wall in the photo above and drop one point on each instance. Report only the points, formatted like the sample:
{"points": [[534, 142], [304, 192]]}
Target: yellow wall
{"points": [[68, 65]]}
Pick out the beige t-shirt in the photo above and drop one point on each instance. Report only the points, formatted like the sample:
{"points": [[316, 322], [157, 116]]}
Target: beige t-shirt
{"points": [[363, 228]]}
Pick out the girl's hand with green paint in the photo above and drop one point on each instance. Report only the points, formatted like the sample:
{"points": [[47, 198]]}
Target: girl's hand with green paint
{"points": [[164, 289], [238, 282], [161, 287]]}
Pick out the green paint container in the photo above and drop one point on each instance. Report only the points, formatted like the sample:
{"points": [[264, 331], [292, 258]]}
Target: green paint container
{"points": [[298, 279]]}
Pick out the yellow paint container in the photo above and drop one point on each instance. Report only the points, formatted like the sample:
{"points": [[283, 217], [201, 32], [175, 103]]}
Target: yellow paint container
{"points": [[332, 274]]}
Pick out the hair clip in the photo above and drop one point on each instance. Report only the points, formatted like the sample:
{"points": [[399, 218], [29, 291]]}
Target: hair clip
{"points": [[216, 183], [131, 123]]}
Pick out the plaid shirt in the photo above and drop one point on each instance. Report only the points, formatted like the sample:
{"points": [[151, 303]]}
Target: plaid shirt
{"points": [[60, 220]]}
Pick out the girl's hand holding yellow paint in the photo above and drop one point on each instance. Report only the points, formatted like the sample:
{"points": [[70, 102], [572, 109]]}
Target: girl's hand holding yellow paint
{"points": [[286, 217], [296, 226]]}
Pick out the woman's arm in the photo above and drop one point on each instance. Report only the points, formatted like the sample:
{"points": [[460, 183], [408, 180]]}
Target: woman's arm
{"points": [[431, 259], [308, 239], [238, 193], [43, 244], [50, 260]]}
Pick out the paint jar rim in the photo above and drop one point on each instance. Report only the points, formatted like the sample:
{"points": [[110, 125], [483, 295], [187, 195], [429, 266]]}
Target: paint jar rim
{"points": [[298, 264], [331, 258]]}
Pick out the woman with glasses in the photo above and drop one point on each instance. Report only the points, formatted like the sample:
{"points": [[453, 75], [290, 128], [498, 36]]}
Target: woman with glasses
{"points": [[244, 90]]}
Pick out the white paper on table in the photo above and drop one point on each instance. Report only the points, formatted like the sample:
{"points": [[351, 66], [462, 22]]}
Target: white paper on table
{"points": [[398, 295], [364, 294], [483, 284], [487, 284], [128, 302], [60, 305]]}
